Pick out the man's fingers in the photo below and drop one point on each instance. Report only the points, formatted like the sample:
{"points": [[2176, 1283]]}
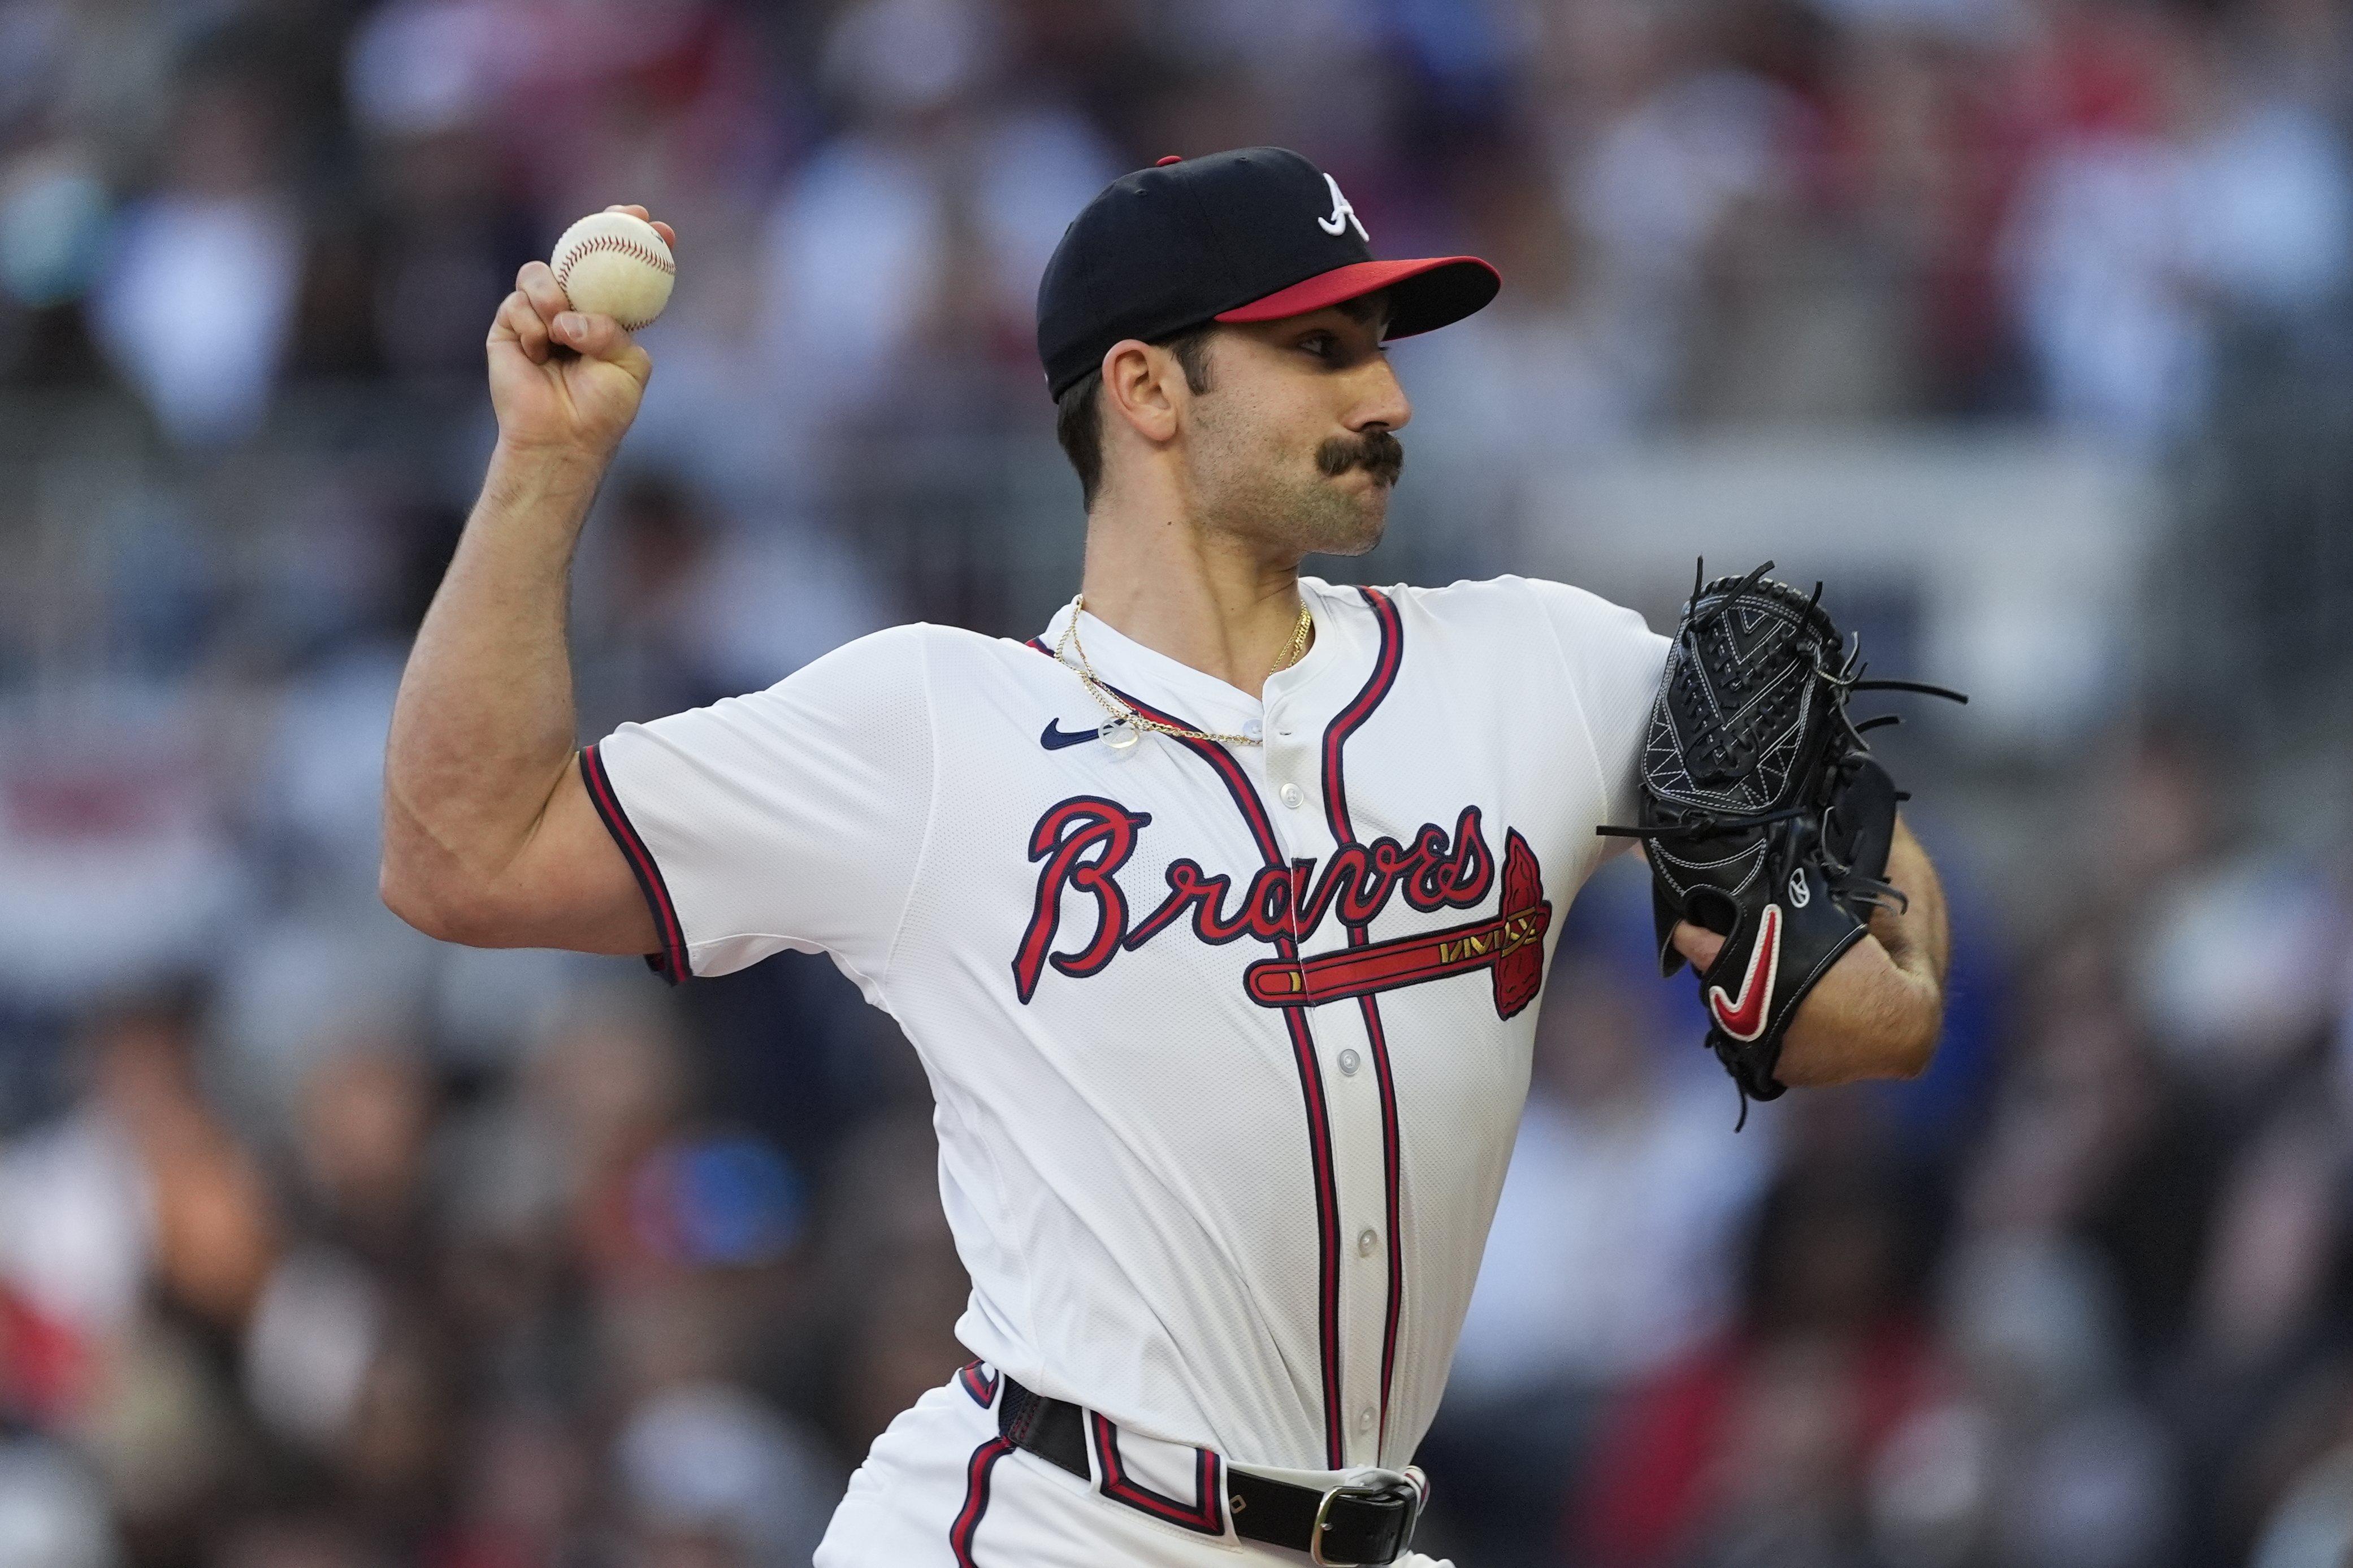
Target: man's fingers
{"points": [[536, 282], [519, 322], [669, 235], [1698, 944]]}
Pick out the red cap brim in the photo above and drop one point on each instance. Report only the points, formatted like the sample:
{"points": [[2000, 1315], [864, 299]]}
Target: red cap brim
{"points": [[1426, 294]]}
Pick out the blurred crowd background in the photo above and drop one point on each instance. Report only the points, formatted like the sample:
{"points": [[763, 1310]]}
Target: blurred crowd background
{"points": [[2024, 322]]}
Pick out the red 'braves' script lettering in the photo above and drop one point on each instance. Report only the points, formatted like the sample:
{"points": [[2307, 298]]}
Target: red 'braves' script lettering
{"points": [[1083, 841], [1437, 870], [1433, 873]]}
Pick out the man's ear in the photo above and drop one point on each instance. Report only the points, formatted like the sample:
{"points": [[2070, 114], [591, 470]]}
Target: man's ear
{"points": [[1144, 386]]}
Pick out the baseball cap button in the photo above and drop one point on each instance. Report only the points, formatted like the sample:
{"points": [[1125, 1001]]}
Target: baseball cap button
{"points": [[1171, 158]]}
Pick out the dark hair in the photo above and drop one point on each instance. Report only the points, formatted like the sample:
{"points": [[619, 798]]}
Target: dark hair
{"points": [[1078, 412]]}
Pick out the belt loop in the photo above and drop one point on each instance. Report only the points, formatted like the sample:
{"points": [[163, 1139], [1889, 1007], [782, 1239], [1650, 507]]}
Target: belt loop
{"points": [[1358, 1523]]}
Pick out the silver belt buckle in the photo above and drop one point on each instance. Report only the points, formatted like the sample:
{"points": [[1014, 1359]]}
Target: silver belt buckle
{"points": [[1379, 1484]]}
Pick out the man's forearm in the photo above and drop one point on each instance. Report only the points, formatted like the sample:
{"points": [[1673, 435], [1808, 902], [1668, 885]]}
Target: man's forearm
{"points": [[484, 726], [1878, 1012]]}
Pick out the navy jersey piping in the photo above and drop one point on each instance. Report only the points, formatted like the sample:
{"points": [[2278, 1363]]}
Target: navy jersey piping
{"points": [[671, 961], [1206, 1516], [977, 1470], [1389, 659]]}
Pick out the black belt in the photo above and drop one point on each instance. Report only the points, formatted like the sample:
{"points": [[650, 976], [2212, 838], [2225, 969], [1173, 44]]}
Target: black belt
{"points": [[1341, 1527]]}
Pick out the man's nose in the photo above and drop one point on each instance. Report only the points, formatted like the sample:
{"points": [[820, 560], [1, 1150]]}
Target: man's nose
{"points": [[1383, 402]]}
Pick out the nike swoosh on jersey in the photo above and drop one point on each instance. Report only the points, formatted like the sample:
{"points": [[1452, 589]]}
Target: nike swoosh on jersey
{"points": [[1743, 1018], [1054, 737]]}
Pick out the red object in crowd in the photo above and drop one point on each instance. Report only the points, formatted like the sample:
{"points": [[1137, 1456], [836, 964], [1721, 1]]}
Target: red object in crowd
{"points": [[1658, 1449], [45, 1365]]}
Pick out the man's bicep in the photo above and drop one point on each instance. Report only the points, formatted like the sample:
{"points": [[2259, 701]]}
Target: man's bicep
{"points": [[572, 887]]}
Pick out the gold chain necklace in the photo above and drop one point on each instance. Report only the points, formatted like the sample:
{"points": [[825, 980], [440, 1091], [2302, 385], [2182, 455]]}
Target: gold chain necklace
{"points": [[1127, 726]]}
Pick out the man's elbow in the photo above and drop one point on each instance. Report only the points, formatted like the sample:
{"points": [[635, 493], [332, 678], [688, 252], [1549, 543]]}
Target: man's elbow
{"points": [[447, 895], [429, 905]]}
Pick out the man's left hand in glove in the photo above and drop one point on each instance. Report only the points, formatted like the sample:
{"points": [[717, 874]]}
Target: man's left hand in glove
{"points": [[1877, 1013]]}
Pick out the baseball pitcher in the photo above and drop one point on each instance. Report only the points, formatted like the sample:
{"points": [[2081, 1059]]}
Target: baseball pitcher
{"points": [[1218, 911]]}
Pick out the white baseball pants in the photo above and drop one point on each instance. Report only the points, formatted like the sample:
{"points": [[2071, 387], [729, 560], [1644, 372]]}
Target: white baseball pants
{"points": [[942, 1489]]}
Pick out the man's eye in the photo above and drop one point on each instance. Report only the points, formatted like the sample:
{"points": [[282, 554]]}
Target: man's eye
{"points": [[1319, 344]]}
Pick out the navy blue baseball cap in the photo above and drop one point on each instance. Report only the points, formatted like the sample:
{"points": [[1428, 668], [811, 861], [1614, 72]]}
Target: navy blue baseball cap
{"points": [[1252, 234]]}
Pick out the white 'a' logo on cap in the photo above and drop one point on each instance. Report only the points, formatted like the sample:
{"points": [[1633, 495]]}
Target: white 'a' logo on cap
{"points": [[1343, 214]]}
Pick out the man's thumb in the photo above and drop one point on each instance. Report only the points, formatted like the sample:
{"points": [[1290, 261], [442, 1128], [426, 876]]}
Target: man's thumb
{"points": [[598, 337], [1698, 944]]}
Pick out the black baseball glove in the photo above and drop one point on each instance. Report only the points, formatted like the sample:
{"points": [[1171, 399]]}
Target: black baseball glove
{"points": [[1764, 817]]}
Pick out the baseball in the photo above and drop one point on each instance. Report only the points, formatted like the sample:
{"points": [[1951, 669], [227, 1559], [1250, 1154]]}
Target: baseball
{"points": [[610, 264]]}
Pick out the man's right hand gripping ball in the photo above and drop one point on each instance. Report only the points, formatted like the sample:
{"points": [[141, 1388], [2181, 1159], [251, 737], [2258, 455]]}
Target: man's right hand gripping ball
{"points": [[562, 382]]}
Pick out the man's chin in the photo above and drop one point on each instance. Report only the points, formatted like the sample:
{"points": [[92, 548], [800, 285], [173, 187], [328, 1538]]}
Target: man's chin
{"points": [[1358, 535], [1360, 546]]}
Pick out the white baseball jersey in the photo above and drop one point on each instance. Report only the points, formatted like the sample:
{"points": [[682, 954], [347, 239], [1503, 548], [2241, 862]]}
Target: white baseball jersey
{"points": [[1229, 1042]]}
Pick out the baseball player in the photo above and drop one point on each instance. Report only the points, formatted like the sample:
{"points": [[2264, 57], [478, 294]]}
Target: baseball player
{"points": [[1218, 910]]}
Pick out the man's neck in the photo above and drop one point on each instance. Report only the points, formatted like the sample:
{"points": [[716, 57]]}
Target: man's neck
{"points": [[1204, 599]]}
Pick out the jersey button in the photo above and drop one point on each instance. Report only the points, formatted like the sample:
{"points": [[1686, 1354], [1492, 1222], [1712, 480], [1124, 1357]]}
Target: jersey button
{"points": [[1364, 1419], [1349, 1062], [1254, 729], [1366, 1240], [1291, 797]]}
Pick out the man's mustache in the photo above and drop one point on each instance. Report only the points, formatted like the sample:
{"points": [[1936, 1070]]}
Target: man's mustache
{"points": [[1377, 452]]}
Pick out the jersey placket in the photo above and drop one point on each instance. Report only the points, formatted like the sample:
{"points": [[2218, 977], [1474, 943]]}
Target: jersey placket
{"points": [[1280, 787], [1352, 1093]]}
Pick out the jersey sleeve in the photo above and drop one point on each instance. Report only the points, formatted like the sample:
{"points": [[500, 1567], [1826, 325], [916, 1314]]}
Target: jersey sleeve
{"points": [[1613, 662], [792, 817]]}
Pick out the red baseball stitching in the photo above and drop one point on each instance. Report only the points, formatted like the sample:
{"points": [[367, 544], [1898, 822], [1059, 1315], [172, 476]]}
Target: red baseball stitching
{"points": [[615, 242], [612, 242]]}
